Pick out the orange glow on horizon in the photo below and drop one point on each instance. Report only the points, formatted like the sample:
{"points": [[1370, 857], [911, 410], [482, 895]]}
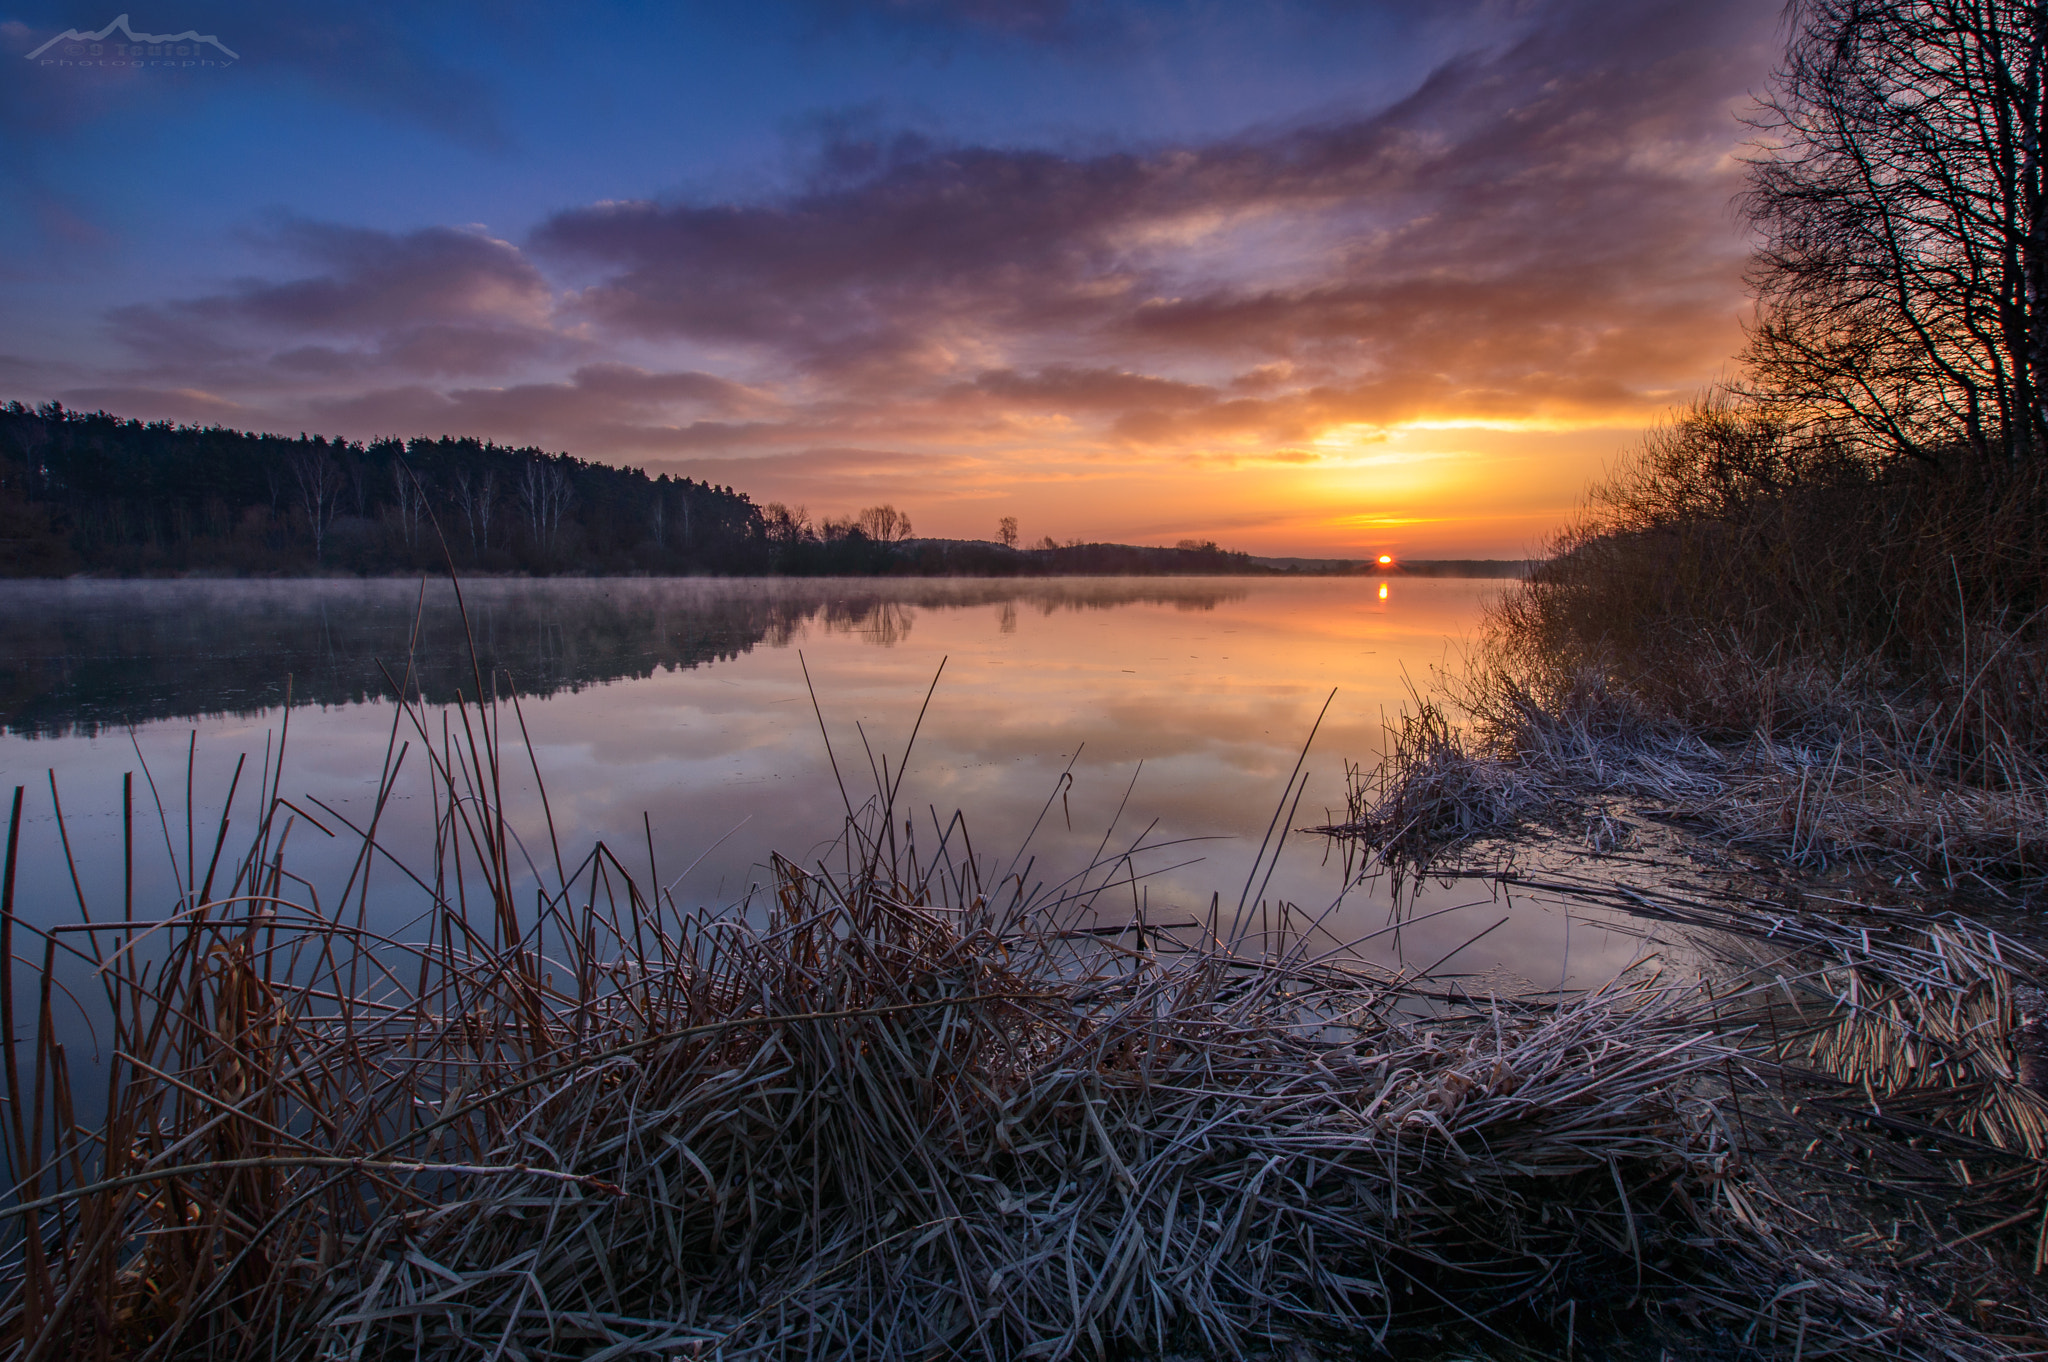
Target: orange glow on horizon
{"points": [[1485, 494]]}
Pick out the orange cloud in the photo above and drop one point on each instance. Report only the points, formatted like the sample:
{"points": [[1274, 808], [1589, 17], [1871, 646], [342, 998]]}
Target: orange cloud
{"points": [[1437, 317]]}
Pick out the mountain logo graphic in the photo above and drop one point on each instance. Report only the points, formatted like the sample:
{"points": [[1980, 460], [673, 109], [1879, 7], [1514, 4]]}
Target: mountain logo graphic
{"points": [[120, 24]]}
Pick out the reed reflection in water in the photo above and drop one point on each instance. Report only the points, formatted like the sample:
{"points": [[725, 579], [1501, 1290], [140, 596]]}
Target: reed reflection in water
{"points": [[1104, 713]]}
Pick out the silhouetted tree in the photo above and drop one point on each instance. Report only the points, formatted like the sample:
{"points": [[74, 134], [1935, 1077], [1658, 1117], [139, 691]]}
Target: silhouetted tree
{"points": [[92, 491], [1006, 530], [786, 525], [884, 524], [1903, 282]]}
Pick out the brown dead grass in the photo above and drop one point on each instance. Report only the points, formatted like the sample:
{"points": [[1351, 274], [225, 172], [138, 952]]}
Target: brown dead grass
{"points": [[907, 1106]]}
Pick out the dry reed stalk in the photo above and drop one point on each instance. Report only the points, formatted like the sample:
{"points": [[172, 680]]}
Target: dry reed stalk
{"points": [[1903, 1134], [905, 1109], [908, 1105], [1863, 647], [1898, 1150], [1862, 796]]}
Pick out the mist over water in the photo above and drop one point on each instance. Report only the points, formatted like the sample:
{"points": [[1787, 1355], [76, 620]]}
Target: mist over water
{"points": [[84, 656], [1074, 720]]}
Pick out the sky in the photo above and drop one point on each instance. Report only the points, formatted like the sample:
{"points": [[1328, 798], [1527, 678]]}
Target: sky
{"points": [[1327, 278]]}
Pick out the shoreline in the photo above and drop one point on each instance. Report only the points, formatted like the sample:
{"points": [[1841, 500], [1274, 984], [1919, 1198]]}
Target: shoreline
{"points": [[1427, 569], [1896, 1019]]}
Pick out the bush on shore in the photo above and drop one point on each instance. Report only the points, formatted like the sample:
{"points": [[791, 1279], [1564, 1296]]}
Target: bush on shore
{"points": [[1743, 580], [1791, 606]]}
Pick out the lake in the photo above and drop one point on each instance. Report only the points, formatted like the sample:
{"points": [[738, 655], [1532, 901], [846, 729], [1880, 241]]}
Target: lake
{"points": [[1083, 716]]}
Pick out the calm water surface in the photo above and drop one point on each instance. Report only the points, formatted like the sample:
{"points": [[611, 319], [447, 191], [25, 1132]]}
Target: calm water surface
{"points": [[1179, 706]]}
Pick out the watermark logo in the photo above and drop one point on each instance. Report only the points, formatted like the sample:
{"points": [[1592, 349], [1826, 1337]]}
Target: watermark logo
{"points": [[74, 47]]}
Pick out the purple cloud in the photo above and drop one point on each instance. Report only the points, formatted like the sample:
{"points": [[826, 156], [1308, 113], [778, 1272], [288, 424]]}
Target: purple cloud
{"points": [[439, 301], [1500, 225], [617, 407]]}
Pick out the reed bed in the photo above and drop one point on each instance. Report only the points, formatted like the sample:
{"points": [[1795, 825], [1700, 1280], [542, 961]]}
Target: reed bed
{"points": [[1894, 1146], [1892, 990], [908, 1102], [1475, 762], [1845, 660], [1487, 753], [1823, 827]]}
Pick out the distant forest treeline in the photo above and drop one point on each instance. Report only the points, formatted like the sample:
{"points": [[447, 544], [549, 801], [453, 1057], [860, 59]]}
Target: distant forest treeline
{"points": [[91, 492]]}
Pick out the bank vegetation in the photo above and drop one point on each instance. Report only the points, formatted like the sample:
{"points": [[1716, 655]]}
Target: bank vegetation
{"points": [[1786, 677]]}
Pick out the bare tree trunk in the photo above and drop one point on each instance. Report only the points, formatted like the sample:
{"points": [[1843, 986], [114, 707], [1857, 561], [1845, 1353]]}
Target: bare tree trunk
{"points": [[320, 484], [486, 502], [543, 495], [475, 497], [411, 503]]}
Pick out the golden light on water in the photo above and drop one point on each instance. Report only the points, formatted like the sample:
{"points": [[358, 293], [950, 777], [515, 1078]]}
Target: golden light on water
{"points": [[1383, 590]]}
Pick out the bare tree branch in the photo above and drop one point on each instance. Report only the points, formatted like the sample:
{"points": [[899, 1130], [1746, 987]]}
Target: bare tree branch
{"points": [[1899, 190]]}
